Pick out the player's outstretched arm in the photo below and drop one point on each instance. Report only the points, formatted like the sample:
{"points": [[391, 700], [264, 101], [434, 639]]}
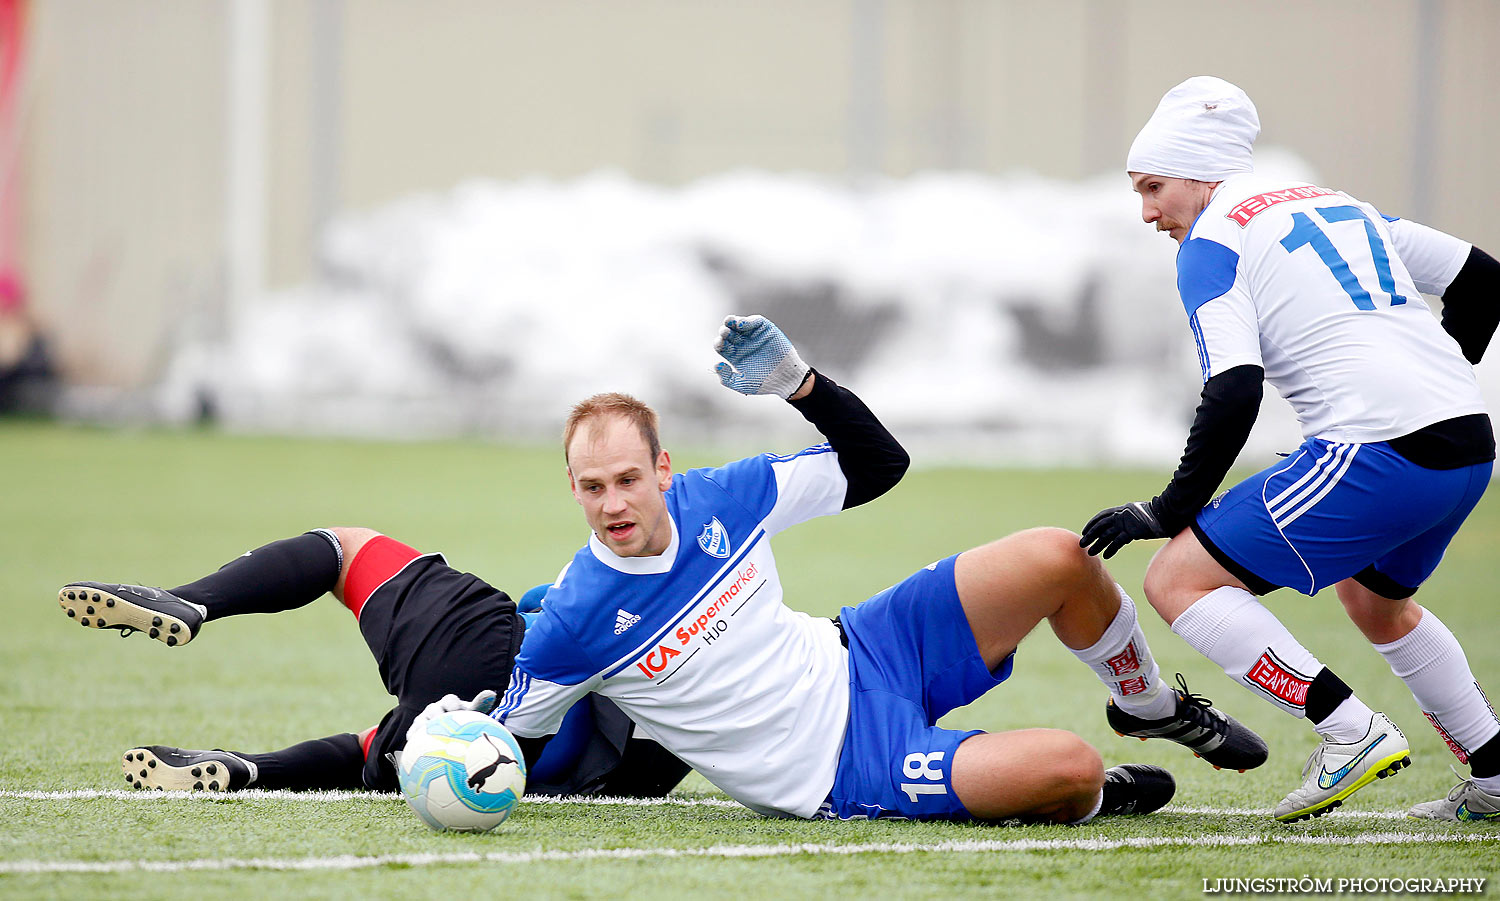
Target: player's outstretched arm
{"points": [[760, 359], [1227, 411]]}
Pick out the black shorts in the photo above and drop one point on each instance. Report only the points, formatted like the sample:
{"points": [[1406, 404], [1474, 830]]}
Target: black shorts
{"points": [[433, 631], [437, 631]]}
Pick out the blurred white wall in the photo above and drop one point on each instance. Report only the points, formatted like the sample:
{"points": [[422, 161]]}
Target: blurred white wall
{"points": [[125, 127]]}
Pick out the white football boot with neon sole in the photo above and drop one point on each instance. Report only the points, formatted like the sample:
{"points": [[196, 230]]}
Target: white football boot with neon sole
{"points": [[1337, 770]]}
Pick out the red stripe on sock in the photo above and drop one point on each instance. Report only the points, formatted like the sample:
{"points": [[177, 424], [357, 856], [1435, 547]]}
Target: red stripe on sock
{"points": [[377, 561], [367, 738]]}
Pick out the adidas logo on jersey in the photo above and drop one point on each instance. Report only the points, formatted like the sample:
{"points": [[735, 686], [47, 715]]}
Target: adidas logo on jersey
{"points": [[624, 621]]}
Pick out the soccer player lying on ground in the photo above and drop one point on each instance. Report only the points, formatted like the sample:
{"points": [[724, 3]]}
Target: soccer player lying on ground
{"points": [[433, 630], [674, 611], [1317, 292]]}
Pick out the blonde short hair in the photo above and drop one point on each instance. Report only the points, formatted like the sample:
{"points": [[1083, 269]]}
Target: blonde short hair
{"points": [[613, 403]]}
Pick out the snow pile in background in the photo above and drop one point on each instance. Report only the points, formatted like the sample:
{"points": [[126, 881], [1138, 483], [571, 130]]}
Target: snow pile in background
{"points": [[1009, 319]]}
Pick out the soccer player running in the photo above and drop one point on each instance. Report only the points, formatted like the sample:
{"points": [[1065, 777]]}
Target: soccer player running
{"points": [[1317, 292], [432, 629], [674, 610]]}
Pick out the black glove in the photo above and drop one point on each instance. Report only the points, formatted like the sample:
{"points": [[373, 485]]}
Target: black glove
{"points": [[1116, 527]]}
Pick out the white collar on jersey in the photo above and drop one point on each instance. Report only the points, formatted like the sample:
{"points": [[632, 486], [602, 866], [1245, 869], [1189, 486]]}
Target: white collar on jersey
{"points": [[637, 566]]}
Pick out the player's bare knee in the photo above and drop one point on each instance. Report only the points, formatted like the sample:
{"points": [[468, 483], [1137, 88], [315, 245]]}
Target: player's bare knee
{"points": [[1158, 579], [1076, 776], [1087, 767], [1055, 554], [351, 539], [1161, 586], [1075, 768]]}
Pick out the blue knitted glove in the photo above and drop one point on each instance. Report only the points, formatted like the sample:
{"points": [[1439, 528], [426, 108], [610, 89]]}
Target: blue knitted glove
{"points": [[760, 358]]}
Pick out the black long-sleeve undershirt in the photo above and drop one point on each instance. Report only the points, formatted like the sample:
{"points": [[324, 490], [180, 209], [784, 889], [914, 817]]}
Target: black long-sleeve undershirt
{"points": [[1471, 305], [869, 455], [1226, 413]]}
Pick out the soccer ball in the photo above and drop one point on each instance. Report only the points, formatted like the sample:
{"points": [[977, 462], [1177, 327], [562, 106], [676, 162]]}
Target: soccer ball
{"points": [[463, 773]]}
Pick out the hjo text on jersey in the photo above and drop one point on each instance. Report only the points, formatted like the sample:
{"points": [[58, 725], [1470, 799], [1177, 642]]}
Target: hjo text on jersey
{"points": [[708, 623]]}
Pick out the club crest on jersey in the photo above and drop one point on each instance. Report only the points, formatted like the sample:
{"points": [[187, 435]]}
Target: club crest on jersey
{"points": [[714, 539]]}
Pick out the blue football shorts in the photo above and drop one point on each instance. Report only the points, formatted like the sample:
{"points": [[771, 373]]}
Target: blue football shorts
{"points": [[912, 658], [1330, 511]]}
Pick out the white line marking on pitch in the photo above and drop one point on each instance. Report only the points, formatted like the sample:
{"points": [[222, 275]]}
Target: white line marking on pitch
{"points": [[723, 803], [351, 862], [256, 794]]}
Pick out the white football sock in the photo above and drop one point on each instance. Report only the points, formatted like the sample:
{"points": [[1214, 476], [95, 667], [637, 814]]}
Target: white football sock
{"points": [[1432, 664], [1490, 784], [1123, 662], [1348, 723], [1231, 628]]}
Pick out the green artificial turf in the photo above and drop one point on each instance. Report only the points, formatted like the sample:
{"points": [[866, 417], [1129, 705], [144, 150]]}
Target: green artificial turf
{"points": [[165, 507]]}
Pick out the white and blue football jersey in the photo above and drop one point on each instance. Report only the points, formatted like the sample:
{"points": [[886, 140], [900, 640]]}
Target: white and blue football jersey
{"points": [[1323, 292], [696, 644]]}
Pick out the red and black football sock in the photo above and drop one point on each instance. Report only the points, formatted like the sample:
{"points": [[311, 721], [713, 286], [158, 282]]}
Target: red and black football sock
{"points": [[282, 575]]}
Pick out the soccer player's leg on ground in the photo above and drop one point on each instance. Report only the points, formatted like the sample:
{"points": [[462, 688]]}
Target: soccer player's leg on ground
{"points": [[1008, 587], [282, 575], [437, 605]]}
